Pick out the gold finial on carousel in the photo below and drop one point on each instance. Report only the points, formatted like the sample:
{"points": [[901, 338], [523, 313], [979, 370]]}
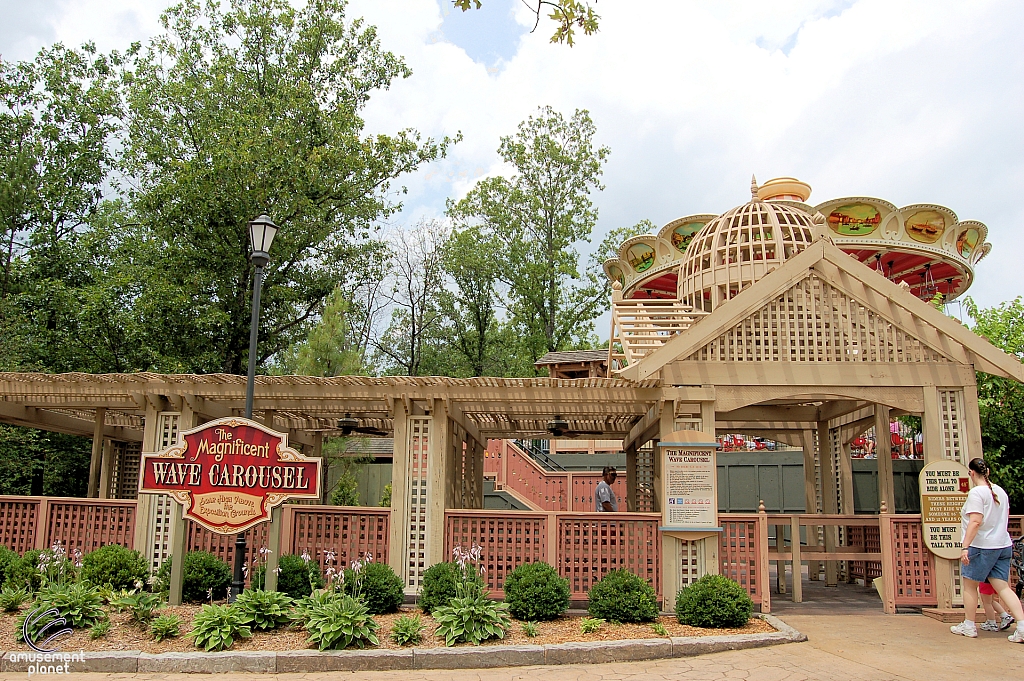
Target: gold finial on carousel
{"points": [[753, 188]]}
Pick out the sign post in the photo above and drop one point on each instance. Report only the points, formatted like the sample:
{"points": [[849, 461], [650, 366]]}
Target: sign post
{"points": [[229, 475], [944, 486]]}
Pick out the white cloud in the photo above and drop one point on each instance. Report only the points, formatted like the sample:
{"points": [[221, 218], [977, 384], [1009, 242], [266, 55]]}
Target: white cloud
{"points": [[916, 101]]}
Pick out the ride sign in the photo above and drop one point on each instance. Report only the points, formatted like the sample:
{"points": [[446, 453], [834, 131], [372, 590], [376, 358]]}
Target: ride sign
{"points": [[228, 474]]}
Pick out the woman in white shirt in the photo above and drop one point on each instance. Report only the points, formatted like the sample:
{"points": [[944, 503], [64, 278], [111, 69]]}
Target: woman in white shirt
{"points": [[987, 550]]}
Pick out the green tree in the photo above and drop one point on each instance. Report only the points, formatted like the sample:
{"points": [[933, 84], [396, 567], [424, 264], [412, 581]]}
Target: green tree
{"points": [[569, 15], [331, 348], [255, 107], [540, 215], [1001, 400]]}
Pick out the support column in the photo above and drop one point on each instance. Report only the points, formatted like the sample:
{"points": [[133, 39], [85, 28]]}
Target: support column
{"points": [[810, 507], [883, 450], [971, 424], [318, 452], [178, 544], [935, 450], [106, 467], [829, 499], [96, 460], [631, 478], [439, 483], [398, 548], [143, 510]]}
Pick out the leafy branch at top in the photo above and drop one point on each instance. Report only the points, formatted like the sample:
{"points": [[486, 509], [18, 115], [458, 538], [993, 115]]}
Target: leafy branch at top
{"points": [[570, 15]]}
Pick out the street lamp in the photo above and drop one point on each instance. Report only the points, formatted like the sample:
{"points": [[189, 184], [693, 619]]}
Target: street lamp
{"points": [[262, 231]]}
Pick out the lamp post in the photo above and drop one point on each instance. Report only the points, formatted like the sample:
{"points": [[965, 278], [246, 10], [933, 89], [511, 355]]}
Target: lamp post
{"points": [[262, 231]]}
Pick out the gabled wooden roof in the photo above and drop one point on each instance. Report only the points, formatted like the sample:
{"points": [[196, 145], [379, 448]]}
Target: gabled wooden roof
{"points": [[824, 306]]}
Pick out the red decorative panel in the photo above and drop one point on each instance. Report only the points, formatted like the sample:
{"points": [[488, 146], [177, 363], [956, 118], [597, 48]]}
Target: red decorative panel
{"points": [[867, 539], [19, 518], [507, 541], [583, 485], [589, 545], [914, 581], [739, 555], [545, 491], [87, 524], [350, 532], [223, 545]]}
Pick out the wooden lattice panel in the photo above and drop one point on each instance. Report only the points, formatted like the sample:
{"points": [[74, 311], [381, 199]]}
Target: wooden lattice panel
{"points": [[951, 415], [590, 546], [159, 535], [418, 482], [913, 583], [19, 523], [645, 479], [88, 524], [124, 473], [506, 542], [814, 322], [223, 545], [865, 540], [690, 556], [739, 556], [350, 533]]}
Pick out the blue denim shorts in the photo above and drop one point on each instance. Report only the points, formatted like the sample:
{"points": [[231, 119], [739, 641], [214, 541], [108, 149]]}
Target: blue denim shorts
{"points": [[986, 563]]}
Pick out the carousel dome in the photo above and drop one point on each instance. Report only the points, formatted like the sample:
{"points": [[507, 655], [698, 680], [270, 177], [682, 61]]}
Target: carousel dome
{"points": [[742, 245]]}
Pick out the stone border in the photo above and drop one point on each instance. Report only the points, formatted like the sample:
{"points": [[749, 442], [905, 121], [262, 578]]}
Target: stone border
{"points": [[583, 652]]}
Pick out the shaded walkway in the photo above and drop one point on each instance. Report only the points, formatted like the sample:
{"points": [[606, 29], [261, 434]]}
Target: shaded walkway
{"points": [[818, 599]]}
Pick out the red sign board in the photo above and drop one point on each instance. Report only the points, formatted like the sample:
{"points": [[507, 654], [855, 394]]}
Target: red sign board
{"points": [[229, 473]]}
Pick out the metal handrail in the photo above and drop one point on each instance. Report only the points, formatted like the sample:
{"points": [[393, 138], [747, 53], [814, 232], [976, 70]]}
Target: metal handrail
{"points": [[539, 455]]}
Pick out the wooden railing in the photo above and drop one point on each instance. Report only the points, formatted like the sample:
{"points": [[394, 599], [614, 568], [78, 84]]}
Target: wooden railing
{"points": [[83, 524], [641, 326], [583, 547], [514, 471]]}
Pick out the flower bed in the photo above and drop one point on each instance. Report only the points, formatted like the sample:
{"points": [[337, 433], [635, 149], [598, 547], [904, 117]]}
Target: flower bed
{"points": [[123, 635]]}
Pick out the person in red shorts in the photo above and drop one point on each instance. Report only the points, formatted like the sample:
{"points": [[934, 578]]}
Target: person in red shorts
{"points": [[990, 601]]}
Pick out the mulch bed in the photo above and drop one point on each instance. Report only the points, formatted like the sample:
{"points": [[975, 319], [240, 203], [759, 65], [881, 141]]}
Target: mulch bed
{"points": [[124, 635]]}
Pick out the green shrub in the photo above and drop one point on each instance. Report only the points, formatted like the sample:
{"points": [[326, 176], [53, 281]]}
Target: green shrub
{"points": [[264, 610], [659, 629], [79, 603], [380, 588], [621, 596], [8, 560], [385, 496], [115, 566], [164, 627], [473, 618], [531, 629], [99, 630], [12, 598], [439, 582], [296, 577], [25, 572], [216, 627], [204, 573], [534, 591], [340, 623], [142, 606], [407, 630], [588, 625], [715, 602]]}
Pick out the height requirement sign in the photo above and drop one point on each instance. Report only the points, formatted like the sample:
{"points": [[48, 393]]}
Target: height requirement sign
{"points": [[944, 486], [228, 474]]}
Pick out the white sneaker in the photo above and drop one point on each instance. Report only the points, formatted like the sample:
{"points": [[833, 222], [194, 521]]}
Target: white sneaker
{"points": [[1017, 636], [1006, 622], [967, 629], [990, 625]]}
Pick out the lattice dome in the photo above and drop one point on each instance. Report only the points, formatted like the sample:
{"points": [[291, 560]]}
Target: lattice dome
{"points": [[739, 247]]}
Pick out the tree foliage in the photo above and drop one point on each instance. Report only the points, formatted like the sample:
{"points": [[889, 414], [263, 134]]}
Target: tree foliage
{"points": [[1001, 400], [568, 15]]}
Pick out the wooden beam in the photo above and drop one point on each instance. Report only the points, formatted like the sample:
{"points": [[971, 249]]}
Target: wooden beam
{"points": [[43, 419]]}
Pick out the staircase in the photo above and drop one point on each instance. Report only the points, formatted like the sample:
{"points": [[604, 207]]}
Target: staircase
{"points": [[539, 455]]}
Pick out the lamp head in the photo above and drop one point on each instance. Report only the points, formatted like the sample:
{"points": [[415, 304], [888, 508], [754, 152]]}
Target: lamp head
{"points": [[262, 231]]}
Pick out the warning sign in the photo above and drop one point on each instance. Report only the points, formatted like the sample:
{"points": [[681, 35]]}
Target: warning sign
{"points": [[944, 487]]}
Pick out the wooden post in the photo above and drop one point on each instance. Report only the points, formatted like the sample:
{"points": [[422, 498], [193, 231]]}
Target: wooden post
{"points": [[42, 523], [439, 481], [798, 587], [96, 460], [780, 565], [883, 450], [144, 509], [631, 478], [810, 498], [398, 549], [888, 562], [274, 545], [178, 549], [106, 466], [829, 494], [763, 573]]}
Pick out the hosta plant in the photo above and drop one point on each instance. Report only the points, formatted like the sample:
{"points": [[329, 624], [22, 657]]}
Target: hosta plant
{"points": [[407, 630], [164, 627], [80, 604], [304, 606], [142, 606], [471, 616], [216, 627], [264, 610], [341, 623], [588, 625], [531, 629], [12, 598], [99, 630]]}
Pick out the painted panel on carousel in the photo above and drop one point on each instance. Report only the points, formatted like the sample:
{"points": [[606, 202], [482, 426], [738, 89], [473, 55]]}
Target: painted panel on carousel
{"points": [[854, 219], [640, 257], [613, 268], [967, 241], [683, 234], [925, 226]]}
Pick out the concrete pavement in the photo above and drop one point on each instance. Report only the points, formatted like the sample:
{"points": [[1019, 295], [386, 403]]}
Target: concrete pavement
{"points": [[840, 648]]}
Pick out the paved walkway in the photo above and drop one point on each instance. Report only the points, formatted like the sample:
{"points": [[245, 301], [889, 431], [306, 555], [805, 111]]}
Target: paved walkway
{"points": [[841, 648]]}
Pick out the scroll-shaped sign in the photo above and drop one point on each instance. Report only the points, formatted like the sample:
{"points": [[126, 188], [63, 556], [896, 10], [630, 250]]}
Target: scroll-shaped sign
{"points": [[228, 474], [944, 486]]}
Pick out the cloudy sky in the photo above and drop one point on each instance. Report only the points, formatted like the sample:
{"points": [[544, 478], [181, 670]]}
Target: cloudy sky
{"points": [[908, 101]]}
